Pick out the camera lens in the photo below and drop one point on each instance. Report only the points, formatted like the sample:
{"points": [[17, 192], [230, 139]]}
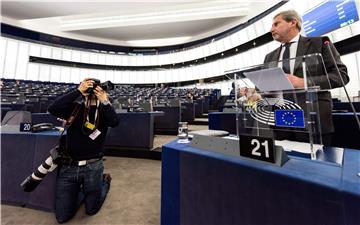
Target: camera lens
{"points": [[107, 86]]}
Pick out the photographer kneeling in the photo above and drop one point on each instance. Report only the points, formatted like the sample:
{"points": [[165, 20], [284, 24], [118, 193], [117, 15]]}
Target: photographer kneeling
{"points": [[80, 177]]}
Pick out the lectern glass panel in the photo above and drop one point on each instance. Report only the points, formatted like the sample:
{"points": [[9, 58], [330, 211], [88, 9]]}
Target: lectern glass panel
{"points": [[271, 105]]}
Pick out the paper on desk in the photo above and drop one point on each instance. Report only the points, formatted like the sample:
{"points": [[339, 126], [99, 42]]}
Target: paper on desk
{"points": [[297, 146], [231, 137]]}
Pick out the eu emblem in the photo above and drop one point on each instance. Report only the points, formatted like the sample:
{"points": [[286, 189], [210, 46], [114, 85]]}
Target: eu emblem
{"points": [[289, 118]]}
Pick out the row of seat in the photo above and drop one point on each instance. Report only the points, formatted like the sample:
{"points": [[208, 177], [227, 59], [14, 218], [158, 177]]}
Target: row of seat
{"points": [[36, 96]]}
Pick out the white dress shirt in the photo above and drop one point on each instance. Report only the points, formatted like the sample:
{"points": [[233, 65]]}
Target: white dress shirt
{"points": [[293, 49]]}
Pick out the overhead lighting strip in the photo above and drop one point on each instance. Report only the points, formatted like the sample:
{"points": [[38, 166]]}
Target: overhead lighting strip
{"points": [[149, 17]]}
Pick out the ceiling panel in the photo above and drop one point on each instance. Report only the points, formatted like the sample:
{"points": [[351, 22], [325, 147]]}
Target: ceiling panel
{"points": [[171, 19]]}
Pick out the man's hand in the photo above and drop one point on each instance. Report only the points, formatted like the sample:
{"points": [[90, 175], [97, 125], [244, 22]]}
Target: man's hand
{"points": [[100, 94], [297, 82], [84, 85]]}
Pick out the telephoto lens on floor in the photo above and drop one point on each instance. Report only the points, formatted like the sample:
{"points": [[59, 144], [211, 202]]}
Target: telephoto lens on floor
{"points": [[32, 181]]}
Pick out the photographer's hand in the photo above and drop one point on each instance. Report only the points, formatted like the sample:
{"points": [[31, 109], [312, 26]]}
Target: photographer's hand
{"points": [[101, 95], [84, 85]]}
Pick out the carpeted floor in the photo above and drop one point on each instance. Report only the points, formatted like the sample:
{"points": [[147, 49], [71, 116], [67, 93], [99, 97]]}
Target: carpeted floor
{"points": [[134, 196]]}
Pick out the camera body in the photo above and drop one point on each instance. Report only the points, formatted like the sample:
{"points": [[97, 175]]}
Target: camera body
{"points": [[58, 155], [106, 86]]}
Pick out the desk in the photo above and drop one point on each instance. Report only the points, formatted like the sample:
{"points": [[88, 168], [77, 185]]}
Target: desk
{"points": [[169, 123], [13, 106], [135, 131], [223, 121], [45, 118], [346, 106], [206, 104], [187, 112], [345, 134], [21, 154], [203, 187], [199, 107]]}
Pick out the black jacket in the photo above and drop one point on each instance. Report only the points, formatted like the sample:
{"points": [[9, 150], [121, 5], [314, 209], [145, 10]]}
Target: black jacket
{"points": [[78, 143], [317, 75]]}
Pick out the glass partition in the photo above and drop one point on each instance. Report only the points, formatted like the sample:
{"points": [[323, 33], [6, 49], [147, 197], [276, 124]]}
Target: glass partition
{"points": [[270, 106]]}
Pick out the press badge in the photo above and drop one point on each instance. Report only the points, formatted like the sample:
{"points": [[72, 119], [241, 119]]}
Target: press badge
{"points": [[95, 134], [89, 126]]}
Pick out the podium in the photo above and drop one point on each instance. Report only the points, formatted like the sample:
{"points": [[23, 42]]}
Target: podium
{"points": [[272, 114], [205, 186]]}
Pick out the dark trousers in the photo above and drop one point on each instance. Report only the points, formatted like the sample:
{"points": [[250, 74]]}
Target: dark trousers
{"points": [[77, 184]]}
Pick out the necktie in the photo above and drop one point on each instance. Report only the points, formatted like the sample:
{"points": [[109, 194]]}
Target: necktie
{"points": [[286, 56]]}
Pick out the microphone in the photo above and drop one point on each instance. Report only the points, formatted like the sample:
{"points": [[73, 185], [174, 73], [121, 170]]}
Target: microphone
{"points": [[327, 43], [326, 40]]}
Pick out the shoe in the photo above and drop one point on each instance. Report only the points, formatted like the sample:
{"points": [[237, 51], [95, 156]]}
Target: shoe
{"points": [[107, 177]]}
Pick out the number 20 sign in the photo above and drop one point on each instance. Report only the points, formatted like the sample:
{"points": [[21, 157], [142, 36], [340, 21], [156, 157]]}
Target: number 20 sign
{"points": [[25, 127], [259, 148]]}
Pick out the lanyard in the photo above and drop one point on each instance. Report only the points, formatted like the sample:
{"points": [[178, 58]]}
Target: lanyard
{"points": [[86, 119], [87, 109]]}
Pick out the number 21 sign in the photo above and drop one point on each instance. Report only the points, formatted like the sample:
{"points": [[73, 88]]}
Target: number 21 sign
{"points": [[259, 148]]}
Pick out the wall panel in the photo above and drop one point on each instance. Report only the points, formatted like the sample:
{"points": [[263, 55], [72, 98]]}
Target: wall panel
{"points": [[3, 46], [55, 73], [85, 57], [45, 51], [56, 53], [22, 61], [33, 71], [155, 77], [34, 50], [109, 75], [44, 73], [11, 59]]}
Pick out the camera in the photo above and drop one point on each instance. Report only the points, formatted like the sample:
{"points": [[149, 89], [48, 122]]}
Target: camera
{"points": [[106, 86]]}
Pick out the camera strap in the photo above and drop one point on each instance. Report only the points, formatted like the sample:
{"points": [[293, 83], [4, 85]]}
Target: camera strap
{"points": [[71, 119], [68, 123]]}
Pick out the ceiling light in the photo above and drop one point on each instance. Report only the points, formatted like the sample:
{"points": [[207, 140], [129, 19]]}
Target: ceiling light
{"points": [[97, 21], [159, 42]]}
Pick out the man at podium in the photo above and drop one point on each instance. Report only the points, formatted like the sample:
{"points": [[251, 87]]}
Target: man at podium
{"points": [[286, 29]]}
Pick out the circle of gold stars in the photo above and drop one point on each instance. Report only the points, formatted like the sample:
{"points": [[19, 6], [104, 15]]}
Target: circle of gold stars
{"points": [[288, 118]]}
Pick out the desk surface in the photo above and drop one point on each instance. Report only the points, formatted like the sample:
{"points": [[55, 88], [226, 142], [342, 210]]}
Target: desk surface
{"points": [[203, 187]]}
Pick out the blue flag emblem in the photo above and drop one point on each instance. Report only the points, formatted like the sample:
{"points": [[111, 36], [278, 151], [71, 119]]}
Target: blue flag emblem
{"points": [[289, 118]]}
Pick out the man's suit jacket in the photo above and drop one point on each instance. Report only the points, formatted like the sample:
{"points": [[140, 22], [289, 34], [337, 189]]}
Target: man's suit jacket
{"points": [[317, 75]]}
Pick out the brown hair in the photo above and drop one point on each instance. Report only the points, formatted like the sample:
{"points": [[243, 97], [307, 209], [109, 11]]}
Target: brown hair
{"points": [[289, 15]]}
